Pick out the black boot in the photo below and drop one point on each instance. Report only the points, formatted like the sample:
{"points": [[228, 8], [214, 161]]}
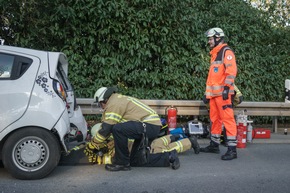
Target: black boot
{"points": [[230, 154], [194, 144], [174, 160], [212, 148]]}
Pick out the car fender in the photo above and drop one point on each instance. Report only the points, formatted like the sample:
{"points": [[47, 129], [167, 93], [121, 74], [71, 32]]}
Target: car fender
{"points": [[79, 121]]}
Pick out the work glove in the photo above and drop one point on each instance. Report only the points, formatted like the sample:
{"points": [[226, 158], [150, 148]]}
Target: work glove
{"points": [[90, 152], [205, 100], [111, 152], [92, 149], [225, 93], [111, 144]]}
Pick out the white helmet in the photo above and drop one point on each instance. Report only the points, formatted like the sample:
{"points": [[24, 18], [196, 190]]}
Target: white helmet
{"points": [[217, 32], [95, 129], [99, 95]]}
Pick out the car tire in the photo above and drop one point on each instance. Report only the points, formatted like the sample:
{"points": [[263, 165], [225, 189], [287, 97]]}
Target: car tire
{"points": [[31, 153]]}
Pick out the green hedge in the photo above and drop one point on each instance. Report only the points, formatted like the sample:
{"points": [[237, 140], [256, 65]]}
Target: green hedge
{"points": [[153, 49]]}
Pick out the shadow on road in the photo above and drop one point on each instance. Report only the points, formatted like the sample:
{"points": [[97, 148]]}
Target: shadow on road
{"points": [[74, 158]]}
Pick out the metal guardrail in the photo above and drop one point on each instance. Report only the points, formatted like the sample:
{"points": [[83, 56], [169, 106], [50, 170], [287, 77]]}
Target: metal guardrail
{"points": [[193, 107]]}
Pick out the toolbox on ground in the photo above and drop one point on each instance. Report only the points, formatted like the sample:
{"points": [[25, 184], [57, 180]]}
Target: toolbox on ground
{"points": [[261, 133]]}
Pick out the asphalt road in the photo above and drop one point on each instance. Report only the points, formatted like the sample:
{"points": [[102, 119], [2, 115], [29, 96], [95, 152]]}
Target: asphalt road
{"points": [[260, 167]]}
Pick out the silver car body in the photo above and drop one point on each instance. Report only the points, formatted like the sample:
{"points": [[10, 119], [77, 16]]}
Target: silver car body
{"points": [[31, 100]]}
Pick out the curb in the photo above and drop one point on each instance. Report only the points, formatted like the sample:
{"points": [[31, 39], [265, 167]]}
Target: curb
{"points": [[275, 138]]}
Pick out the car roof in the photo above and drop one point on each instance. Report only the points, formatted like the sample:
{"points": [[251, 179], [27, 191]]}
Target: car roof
{"points": [[52, 57]]}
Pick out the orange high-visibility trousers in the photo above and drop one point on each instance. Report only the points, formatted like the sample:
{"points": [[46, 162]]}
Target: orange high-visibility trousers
{"points": [[221, 112]]}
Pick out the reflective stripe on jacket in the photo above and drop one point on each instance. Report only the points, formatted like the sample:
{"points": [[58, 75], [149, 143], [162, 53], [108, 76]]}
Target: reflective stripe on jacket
{"points": [[121, 108], [222, 71]]}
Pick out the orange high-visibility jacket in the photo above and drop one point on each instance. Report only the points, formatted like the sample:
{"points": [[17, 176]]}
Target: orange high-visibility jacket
{"points": [[222, 71]]}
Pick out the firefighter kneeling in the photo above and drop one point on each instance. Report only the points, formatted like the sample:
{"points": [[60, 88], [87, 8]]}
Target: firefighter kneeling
{"points": [[127, 118], [166, 145]]}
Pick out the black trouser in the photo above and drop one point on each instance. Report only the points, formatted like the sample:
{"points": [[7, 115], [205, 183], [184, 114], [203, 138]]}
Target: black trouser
{"points": [[155, 160], [131, 130]]}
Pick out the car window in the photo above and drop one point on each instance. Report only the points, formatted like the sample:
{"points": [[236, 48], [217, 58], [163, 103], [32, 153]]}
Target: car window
{"points": [[6, 63], [63, 78], [12, 66]]}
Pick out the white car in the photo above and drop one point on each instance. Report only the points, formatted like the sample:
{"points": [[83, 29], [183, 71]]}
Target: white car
{"points": [[39, 116]]}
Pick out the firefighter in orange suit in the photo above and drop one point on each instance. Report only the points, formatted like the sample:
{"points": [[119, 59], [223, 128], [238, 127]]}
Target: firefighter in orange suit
{"points": [[219, 92], [237, 99], [127, 118]]}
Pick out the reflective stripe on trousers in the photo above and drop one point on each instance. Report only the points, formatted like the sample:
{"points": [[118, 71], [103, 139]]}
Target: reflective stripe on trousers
{"points": [[220, 115], [164, 144]]}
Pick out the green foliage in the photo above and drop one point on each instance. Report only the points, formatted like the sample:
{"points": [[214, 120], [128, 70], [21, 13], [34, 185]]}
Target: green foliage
{"points": [[153, 49]]}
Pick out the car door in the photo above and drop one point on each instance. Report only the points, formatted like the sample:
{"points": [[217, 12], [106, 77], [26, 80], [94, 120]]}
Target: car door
{"points": [[17, 78]]}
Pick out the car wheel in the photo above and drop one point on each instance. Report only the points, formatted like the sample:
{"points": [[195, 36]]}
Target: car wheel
{"points": [[31, 153]]}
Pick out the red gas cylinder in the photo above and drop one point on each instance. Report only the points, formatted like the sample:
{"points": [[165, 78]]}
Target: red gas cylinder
{"points": [[242, 129], [171, 113], [241, 135]]}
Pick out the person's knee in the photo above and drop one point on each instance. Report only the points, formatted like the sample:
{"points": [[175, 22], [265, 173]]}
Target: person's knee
{"points": [[116, 129]]}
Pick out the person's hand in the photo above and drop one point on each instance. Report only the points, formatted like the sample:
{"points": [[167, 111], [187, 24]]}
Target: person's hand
{"points": [[205, 100], [225, 93]]}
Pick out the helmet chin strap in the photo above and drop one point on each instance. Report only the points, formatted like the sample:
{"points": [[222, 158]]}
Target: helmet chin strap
{"points": [[217, 42]]}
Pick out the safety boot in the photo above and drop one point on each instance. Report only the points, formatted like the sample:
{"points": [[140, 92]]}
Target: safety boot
{"points": [[230, 154], [212, 148], [174, 160], [194, 144]]}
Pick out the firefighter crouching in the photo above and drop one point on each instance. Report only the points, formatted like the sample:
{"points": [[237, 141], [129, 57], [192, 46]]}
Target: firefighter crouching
{"points": [[167, 143], [126, 118]]}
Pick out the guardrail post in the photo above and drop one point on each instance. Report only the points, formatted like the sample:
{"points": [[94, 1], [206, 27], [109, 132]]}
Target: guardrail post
{"points": [[274, 124]]}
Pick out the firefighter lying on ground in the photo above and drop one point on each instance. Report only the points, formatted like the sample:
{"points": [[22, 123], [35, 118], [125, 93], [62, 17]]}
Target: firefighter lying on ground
{"points": [[173, 142], [165, 144]]}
